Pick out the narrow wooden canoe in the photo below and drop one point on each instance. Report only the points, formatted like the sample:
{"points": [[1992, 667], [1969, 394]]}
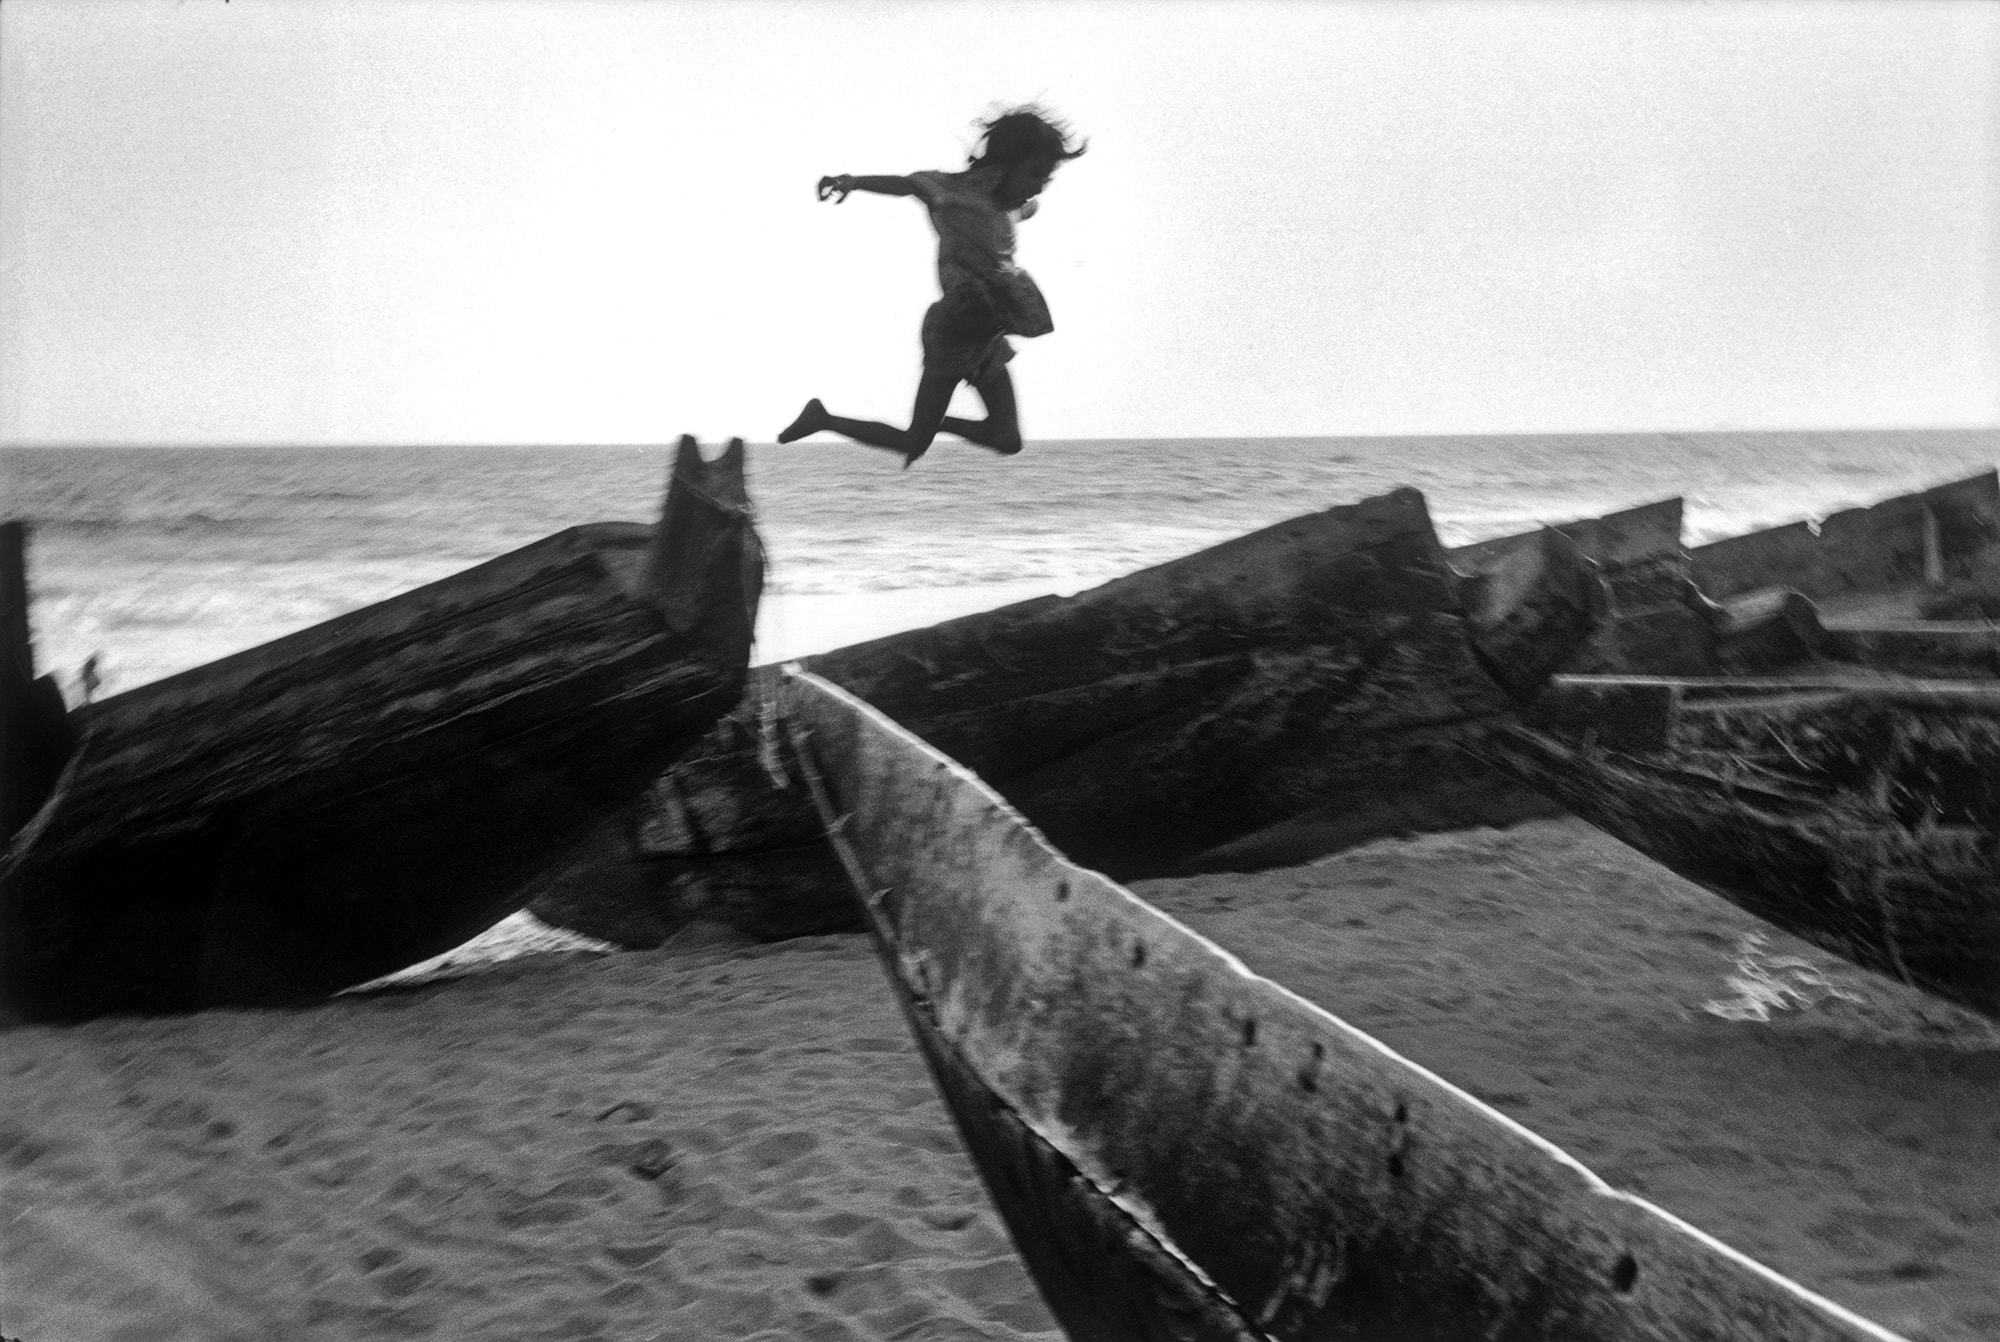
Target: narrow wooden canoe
{"points": [[363, 794], [1268, 700], [1169, 721], [1653, 624], [1809, 599], [1806, 597], [1862, 815], [1900, 544], [1184, 1150]]}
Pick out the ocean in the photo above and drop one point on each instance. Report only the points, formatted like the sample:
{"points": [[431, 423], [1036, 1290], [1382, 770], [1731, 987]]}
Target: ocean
{"points": [[158, 559]]}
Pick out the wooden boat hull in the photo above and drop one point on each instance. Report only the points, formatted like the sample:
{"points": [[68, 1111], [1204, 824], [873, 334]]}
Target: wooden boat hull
{"points": [[1164, 722], [1804, 597], [1862, 815], [35, 733], [1904, 543], [1184, 1150], [1652, 622], [372, 791], [1268, 700]]}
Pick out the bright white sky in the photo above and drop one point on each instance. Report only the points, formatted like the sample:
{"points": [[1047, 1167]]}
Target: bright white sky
{"points": [[549, 221]]}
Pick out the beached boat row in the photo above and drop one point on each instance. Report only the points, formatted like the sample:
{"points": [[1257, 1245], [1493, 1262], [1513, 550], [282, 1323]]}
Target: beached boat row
{"points": [[1333, 679], [339, 803], [1846, 592], [1287, 693], [1342, 677]]}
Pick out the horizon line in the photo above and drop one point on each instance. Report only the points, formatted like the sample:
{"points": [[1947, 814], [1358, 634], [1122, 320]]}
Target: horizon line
{"points": [[82, 444]]}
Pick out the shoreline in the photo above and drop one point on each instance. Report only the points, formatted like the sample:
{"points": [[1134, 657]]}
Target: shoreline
{"points": [[718, 1138]]}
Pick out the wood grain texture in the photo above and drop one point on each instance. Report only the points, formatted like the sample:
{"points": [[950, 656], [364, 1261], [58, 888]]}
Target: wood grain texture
{"points": [[1185, 1150], [1904, 542], [35, 733], [371, 791], [1292, 691]]}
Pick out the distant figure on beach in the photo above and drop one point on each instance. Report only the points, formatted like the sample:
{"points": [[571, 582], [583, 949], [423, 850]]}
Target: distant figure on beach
{"points": [[986, 297], [87, 678]]}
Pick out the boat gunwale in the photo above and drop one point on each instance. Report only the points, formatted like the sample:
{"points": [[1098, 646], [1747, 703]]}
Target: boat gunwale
{"points": [[1577, 1192]]}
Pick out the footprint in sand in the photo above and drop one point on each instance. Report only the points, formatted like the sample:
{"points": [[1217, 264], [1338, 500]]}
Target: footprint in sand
{"points": [[634, 1255], [876, 1239], [401, 1282], [177, 1114], [649, 1159], [518, 1212], [19, 1149], [781, 1148]]}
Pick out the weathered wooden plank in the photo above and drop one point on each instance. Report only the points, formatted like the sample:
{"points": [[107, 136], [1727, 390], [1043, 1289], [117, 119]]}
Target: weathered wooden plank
{"points": [[1182, 1149], [1532, 606], [1266, 700], [1771, 630], [1767, 628], [1911, 541], [1653, 622], [17, 654], [1862, 815], [1180, 709], [1931, 648], [363, 794], [36, 733]]}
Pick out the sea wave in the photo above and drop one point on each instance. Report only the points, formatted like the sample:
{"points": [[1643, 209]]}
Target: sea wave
{"points": [[160, 559]]}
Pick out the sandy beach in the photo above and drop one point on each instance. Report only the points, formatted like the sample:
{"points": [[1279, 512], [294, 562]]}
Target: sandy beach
{"points": [[719, 1139]]}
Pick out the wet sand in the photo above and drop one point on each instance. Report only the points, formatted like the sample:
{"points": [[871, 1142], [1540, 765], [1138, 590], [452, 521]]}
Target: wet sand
{"points": [[723, 1140]]}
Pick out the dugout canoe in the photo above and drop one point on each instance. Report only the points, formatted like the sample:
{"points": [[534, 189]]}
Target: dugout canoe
{"points": [[366, 793], [1861, 815], [1809, 597], [1650, 621], [1184, 1150], [1265, 701]]}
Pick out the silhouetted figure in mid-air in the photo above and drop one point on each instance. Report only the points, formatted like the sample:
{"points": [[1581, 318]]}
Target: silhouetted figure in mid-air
{"points": [[986, 296]]}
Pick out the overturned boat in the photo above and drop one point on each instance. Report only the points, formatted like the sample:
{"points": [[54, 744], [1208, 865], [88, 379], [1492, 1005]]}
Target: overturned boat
{"points": [[356, 797], [1292, 691], [1860, 814], [1182, 1149]]}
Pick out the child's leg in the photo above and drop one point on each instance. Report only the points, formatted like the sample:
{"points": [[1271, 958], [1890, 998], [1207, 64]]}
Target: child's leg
{"points": [[926, 416], [1001, 429]]}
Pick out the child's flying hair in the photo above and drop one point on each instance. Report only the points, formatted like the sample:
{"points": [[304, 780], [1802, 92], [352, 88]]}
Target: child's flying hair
{"points": [[1020, 133]]}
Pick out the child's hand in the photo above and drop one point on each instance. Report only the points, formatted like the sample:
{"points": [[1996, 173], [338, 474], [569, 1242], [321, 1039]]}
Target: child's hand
{"points": [[835, 187]]}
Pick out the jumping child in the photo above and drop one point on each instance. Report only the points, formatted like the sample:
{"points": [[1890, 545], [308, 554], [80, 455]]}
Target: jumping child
{"points": [[986, 297]]}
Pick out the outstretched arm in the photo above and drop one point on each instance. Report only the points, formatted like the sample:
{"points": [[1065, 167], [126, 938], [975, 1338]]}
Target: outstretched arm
{"points": [[839, 185]]}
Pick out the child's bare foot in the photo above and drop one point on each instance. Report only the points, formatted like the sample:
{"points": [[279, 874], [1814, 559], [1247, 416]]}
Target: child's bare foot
{"points": [[811, 420]]}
